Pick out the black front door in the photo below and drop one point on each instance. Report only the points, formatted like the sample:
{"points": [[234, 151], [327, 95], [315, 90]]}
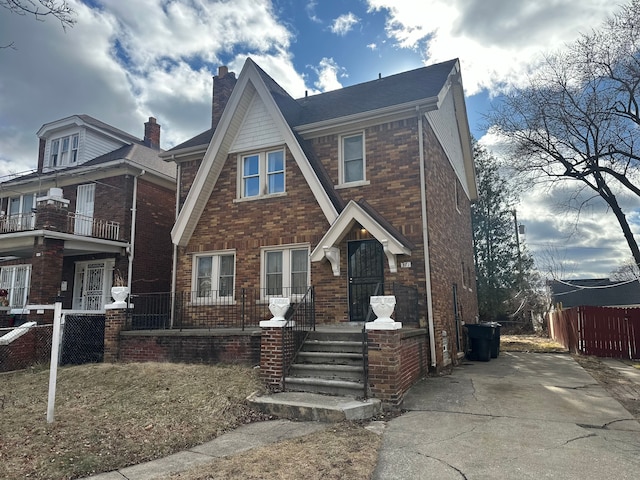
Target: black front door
{"points": [[366, 273]]}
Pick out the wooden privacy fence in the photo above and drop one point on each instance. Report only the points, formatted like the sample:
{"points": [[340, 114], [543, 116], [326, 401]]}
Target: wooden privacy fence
{"points": [[600, 331]]}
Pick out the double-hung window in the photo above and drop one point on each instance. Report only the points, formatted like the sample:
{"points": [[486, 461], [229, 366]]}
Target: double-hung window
{"points": [[285, 271], [64, 151], [15, 280], [262, 174], [214, 275], [352, 158]]}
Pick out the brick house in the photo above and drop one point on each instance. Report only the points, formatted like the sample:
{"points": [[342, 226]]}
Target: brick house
{"points": [[100, 201], [353, 192]]}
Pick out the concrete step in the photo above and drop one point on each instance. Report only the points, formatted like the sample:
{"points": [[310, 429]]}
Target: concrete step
{"points": [[315, 407], [331, 372], [336, 336], [332, 358], [324, 386], [332, 346]]}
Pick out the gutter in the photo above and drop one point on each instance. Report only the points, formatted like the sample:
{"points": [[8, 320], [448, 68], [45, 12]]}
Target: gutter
{"points": [[425, 238], [132, 243]]}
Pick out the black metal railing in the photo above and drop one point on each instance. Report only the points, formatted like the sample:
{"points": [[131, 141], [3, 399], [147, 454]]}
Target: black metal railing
{"points": [[407, 304], [242, 308], [301, 319], [365, 343]]}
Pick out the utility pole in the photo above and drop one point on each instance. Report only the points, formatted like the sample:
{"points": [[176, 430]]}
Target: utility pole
{"points": [[515, 223]]}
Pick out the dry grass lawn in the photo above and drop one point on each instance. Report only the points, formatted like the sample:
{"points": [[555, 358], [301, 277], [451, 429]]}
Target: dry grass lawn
{"points": [[343, 451], [109, 416]]}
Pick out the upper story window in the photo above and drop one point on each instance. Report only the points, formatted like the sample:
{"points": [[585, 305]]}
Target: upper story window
{"points": [[352, 159], [262, 174], [64, 151]]}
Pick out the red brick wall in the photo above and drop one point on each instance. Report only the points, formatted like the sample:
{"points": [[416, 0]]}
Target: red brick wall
{"points": [[186, 347], [153, 249], [31, 348], [450, 244], [392, 169], [248, 225], [397, 359]]}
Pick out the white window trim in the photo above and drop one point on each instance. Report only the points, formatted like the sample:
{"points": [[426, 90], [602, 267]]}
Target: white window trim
{"points": [[215, 279], [69, 153], [286, 269], [341, 169], [10, 287], [262, 175]]}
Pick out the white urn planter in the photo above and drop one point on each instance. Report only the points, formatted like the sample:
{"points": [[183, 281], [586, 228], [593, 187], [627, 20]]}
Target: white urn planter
{"points": [[383, 306], [278, 308], [119, 295]]}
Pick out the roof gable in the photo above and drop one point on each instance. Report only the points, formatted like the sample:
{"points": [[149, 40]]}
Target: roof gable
{"points": [[393, 242], [240, 109]]}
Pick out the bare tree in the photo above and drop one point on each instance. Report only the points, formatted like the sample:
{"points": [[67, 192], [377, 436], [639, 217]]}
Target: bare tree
{"points": [[628, 271], [578, 118], [41, 9]]}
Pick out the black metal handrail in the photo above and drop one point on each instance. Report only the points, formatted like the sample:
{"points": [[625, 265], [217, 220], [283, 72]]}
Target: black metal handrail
{"points": [[301, 319]]}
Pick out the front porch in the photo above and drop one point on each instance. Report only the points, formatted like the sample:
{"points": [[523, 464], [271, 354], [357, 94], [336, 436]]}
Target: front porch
{"points": [[293, 352]]}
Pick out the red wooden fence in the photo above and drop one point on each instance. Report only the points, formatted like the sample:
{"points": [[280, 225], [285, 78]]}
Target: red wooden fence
{"points": [[600, 331]]}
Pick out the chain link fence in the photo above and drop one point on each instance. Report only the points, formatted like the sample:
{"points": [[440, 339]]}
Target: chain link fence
{"points": [[29, 344]]}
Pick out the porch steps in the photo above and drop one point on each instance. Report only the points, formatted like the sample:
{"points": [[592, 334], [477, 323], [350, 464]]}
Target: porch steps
{"points": [[329, 363]]}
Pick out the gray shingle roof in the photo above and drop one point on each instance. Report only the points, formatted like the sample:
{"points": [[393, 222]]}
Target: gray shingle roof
{"points": [[596, 292], [406, 87]]}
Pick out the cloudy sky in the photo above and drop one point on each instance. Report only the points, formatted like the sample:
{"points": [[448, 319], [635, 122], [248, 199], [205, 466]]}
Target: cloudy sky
{"points": [[127, 60]]}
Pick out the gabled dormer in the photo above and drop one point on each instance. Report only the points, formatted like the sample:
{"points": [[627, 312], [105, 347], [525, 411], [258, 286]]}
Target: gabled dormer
{"points": [[74, 140]]}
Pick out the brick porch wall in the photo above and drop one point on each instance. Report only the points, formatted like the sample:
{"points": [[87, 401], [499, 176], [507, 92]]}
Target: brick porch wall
{"points": [[397, 359], [31, 348]]}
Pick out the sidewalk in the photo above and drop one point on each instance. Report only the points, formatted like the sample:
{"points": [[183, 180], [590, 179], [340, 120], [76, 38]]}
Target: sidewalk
{"points": [[239, 440]]}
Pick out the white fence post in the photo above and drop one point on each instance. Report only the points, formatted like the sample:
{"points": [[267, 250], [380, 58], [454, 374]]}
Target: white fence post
{"points": [[53, 367]]}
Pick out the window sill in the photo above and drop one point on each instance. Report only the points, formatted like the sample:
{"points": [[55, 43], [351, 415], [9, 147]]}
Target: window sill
{"points": [[359, 183], [259, 197], [212, 302]]}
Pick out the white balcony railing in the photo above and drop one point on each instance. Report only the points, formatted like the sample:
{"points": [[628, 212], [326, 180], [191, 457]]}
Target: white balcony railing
{"points": [[93, 227], [18, 222], [77, 224]]}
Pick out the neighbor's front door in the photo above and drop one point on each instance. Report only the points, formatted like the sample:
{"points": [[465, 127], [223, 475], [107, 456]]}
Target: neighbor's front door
{"points": [[366, 275]]}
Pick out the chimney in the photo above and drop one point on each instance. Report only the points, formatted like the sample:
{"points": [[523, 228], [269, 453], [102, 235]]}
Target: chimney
{"points": [[152, 133], [223, 84], [43, 142]]}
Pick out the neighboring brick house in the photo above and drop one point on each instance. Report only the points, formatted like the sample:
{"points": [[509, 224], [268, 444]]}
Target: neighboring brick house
{"points": [[347, 191], [100, 199]]}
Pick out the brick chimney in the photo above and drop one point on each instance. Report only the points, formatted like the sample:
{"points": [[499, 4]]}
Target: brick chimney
{"points": [[223, 84], [41, 146], [152, 133]]}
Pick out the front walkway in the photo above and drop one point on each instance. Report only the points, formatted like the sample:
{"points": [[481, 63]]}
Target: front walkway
{"points": [[522, 415]]}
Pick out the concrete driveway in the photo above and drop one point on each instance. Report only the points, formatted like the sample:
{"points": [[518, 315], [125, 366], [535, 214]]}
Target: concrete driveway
{"points": [[520, 416]]}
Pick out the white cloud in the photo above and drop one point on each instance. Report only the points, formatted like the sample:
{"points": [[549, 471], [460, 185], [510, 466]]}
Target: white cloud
{"points": [[496, 40], [127, 61], [372, 46], [328, 71], [344, 24]]}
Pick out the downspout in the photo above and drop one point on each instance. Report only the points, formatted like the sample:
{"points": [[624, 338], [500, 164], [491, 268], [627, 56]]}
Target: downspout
{"points": [[174, 265], [425, 238], [134, 209]]}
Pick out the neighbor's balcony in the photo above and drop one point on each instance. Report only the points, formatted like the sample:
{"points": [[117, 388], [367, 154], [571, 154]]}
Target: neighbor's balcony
{"points": [[61, 221]]}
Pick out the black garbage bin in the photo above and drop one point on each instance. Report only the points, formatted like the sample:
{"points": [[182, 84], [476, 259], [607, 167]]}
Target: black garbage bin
{"points": [[495, 340], [481, 337]]}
